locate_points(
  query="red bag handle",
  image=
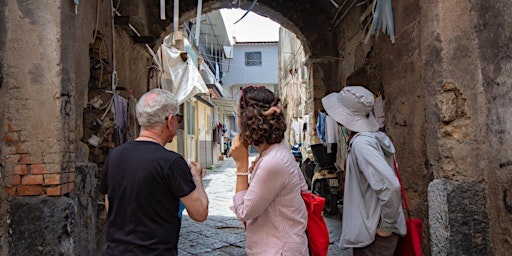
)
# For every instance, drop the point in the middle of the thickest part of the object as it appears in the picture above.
(401, 187)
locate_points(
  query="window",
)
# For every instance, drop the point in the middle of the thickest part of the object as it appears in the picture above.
(253, 58)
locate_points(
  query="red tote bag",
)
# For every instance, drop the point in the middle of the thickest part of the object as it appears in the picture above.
(318, 235)
(410, 244)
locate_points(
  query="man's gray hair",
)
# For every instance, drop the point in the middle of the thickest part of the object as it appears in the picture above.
(154, 106)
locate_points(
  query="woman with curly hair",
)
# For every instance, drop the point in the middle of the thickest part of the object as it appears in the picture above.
(270, 202)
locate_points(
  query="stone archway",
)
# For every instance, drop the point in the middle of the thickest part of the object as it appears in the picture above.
(446, 80)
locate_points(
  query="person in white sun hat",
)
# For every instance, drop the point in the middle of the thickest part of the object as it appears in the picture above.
(373, 218)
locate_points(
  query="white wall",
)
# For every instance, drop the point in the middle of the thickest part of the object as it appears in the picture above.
(236, 74)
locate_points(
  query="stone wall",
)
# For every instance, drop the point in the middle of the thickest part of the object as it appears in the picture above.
(436, 114)
(49, 185)
(492, 25)
(466, 135)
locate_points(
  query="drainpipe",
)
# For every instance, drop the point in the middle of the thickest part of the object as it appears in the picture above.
(114, 75)
(162, 9)
(198, 21)
(176, 15)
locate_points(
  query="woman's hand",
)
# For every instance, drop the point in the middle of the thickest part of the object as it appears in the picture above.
(239, 151)
(240, 154)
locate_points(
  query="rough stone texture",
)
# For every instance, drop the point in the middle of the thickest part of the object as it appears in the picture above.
(85, 198)
(57, 225)
(4, 207)
(494, 37)
(42, 226)
(458, 225)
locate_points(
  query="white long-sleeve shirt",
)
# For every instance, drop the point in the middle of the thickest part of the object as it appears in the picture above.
(372, 191)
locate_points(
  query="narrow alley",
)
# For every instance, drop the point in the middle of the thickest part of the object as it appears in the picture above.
(222, 233)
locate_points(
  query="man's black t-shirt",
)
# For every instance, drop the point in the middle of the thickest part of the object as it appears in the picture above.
(144, 182)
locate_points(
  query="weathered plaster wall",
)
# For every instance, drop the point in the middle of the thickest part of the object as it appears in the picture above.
(492, 23)
(43, 92)
(4, 206)
(32, 159)
(458, 50)
(133, 63)
(31, 131)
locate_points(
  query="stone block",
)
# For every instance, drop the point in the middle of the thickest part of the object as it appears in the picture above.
(42, 226)
(458, 218)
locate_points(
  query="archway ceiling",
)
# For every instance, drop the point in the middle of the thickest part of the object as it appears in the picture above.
(310, 20)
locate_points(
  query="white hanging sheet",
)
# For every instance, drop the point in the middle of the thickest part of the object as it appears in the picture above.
(180, 77)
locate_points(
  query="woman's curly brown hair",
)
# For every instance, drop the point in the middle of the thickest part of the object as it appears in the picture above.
(255, 127)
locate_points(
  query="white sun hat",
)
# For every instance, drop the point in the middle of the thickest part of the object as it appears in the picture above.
(352, 108)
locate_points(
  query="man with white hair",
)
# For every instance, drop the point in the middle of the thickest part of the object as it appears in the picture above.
(373, 218)
(143, 183)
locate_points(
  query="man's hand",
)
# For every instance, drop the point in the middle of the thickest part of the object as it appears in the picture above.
(196, 170)
(383, 233)
(197, 201)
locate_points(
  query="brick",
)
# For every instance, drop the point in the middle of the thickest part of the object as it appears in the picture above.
(38, 169)
(30, 159)
(21, 149)
(68, 187)
(16, 179)
(10, 128)
(52, 179)
(10, 190)
(10, 150)
(29, 190)
(44, 168)
(64, 178)
(32, 179)
(71, 177)
(12, 159)
(20, 169)
(54, 190)
(11, 137)
(52, 158)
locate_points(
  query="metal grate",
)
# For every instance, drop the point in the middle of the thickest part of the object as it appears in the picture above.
(253, 58)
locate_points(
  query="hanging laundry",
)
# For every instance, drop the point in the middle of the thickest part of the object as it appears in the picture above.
(179, 73)
(382, 20)
(320, 126)
(331, 130)
(295, 127)
(119, 110)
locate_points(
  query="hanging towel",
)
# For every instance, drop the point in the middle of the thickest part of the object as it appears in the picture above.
(320, 127)
(119, 109)
(331, 130)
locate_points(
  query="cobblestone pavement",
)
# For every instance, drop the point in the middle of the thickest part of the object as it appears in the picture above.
(222, 233)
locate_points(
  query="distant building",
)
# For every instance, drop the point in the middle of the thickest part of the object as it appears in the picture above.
(253, 63)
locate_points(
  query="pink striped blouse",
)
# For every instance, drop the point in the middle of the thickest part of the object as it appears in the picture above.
(273, 207)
